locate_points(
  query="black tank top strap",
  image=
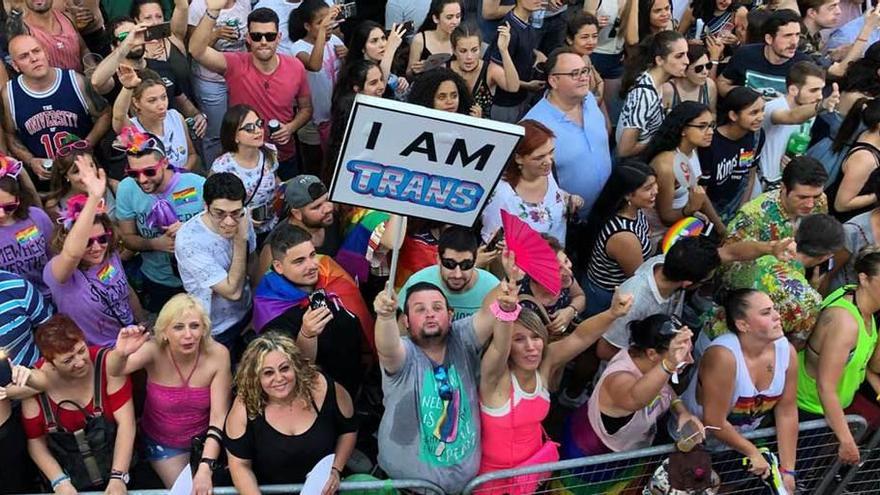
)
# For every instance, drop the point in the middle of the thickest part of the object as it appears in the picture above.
(425, 52)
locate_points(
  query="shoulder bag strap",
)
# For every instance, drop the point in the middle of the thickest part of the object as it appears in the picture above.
(97, 400)
(48, 414)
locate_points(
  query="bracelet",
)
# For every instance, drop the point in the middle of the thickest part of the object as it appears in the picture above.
(502, 315)
(675, 401)
(212, 17)
(338, 471)
(863, 40)
(666, 368)
(789, 472)
(303, 334)
(61, 479)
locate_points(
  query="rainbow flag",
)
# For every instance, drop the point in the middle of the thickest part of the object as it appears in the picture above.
(106, 274)
(27, 234)
(185, 195)
(352, 254)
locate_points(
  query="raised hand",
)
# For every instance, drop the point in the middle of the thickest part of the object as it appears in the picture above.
(315, 321)
(385, 303)
(830, 103)
(620, 303)
(130, 339)
(94, 179)
(503, 37)
(511, 270)
(128, 77)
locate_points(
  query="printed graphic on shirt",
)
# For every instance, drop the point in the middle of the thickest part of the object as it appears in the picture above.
(27, 253)
(769, 86)
(448, 436)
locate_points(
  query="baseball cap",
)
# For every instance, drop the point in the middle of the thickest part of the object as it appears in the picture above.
(302, 190)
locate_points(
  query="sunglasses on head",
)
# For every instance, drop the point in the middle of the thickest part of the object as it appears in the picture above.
(252, 127)
(148, 172)
(78, 145)
(698, 69)
(270, 37)
(9, 208)
(444, 388)
(121, 36)
(451, 264)
(102, 239)
(672, 327)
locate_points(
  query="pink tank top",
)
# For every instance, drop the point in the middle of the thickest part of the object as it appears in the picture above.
(174, 415)
(509, 437)
(639, 432)
(62, 49)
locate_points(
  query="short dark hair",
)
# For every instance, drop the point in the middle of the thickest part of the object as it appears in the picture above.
(553, 59)
(805, 5)
(421, 287)
(777, 20)
(286, 236)
(737, 100)
(114, 24)
(691, 259)
(262, 15)
(805, 171)
(458, 239)
(800, 71)
(818, 235)
(736, 305)
(223, 185)
(646, 333)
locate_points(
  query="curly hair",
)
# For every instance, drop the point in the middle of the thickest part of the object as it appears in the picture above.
(247, 376)
(425, 86)
(669, 136)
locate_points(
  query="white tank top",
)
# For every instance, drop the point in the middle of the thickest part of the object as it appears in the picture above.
(174, 138)
(747, 404)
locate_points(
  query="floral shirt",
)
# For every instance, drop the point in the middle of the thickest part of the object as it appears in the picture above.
(259, 184)
(786, 284)
(546, 217)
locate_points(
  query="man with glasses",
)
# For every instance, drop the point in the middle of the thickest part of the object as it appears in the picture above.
(274, 85)
(571, 111)
(43, 106)
(214, 253)
(464, 285)
(144, 200)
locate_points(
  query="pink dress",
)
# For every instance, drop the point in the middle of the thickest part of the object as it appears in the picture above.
(174, 415)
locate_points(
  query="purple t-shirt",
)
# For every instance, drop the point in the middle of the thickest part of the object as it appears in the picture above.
(95, 299)
(24, 247)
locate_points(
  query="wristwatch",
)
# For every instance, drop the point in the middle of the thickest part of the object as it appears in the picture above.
(212, 463)
(119, 475)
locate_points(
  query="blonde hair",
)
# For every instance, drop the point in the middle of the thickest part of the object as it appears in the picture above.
(247, 376)
(173, 310)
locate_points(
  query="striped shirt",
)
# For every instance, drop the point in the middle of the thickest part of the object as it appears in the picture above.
(642, 110)
(22, 308)
(602, 269)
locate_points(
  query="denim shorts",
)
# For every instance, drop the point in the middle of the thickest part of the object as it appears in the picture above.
(609, 66)
(153, 451)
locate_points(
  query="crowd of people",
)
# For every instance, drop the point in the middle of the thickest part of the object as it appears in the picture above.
(177, 289)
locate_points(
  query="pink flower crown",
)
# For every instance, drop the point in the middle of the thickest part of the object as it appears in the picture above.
(75, 206)
(134, 142)
(9, 166)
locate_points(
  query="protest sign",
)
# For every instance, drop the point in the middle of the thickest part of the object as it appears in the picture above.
(420, 162)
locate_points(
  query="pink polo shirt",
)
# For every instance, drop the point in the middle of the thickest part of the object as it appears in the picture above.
(274, 95)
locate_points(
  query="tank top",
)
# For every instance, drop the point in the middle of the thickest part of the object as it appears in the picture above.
(509, 437)
(44, 119)
(174, 415)
(853, 371)
(173, 137)
(606, 272)
(639, 432)
(747, 405)
(425, 52)
(703, 97)
(175, 69)
(686, 170)
(867, 188)
(481, 92)
(62, 49)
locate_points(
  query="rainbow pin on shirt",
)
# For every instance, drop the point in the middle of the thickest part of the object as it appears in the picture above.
(27, 234)
(106, 274)
(184, 195)
(686, 227)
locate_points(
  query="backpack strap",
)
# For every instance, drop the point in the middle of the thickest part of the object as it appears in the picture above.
(48, 414)
(97, 400)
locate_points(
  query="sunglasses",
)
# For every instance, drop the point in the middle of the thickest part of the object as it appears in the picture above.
(121, 36)
(672, 327)
(252, 127)
(270, 37)
(698, 69)
(9, 208)
(67, 149)
(148, 172)
(444, 389)
(102, 239)
(451, 264)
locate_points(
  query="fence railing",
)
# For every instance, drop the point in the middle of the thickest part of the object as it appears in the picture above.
(374, 487)
(629, 472)
(864, 478)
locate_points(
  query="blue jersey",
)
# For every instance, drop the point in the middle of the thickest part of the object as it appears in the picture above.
(44, 119)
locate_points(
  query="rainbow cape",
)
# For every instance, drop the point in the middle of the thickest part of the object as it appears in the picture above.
(352, 254)
(415, 254)
(275, 295)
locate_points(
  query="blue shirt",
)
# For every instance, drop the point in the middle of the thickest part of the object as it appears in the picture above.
(583, 158)
(22, 308)
(848, 33)
(132, 203)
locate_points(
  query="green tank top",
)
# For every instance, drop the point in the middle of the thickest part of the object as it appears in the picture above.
(853, 372)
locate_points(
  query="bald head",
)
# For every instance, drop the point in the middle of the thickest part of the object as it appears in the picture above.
(28, 56)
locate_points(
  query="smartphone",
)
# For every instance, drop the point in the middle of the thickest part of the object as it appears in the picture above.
(318, 299)
(260, 213)
(348, 10)
(409, 28)
(5, 372)
(157, 32)
(493, 242)
(436, 60)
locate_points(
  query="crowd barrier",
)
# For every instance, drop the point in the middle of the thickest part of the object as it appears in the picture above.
(627, 473)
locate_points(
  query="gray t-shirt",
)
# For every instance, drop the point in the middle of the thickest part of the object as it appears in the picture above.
(413, 441)
(858, 233)
(203, 259)
(647, 301)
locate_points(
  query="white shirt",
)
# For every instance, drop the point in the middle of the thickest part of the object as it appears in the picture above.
(321, 83)
(239, 11)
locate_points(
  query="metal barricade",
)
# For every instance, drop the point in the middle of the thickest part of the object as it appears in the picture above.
(629, 472)
(864, 478)
(378, 487)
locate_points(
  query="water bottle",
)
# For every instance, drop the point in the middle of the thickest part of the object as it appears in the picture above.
(799, 141)
(537, 18)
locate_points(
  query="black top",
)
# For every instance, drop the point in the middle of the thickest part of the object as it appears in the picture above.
(174, 70)
(281, 458)
(867, 188)
(726, 165)
(339, 345)
(749, 67)
(523, 43)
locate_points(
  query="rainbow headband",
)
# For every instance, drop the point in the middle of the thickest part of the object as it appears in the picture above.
(134, 142)
(686, 227)
(75, 206)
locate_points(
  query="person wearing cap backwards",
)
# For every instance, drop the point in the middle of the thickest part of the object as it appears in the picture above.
(308, 207)
(153, 202)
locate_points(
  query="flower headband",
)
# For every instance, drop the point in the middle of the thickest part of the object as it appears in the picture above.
(9, 166)
(134, 142)
(75, 206)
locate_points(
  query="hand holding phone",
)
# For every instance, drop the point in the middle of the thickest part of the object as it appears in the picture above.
(157, 32)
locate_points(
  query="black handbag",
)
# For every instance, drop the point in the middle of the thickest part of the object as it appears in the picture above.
(86, 455)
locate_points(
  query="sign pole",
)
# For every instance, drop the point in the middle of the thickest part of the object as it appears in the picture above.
(397, 223)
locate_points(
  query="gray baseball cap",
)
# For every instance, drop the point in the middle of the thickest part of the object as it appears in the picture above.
(302, 190)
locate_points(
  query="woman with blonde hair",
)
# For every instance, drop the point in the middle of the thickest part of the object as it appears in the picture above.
(287, 416)
(188, 388)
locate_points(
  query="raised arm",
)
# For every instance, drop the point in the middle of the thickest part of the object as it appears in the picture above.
(395, 38)
(102, 78)
(493, 366)
(505, 75)
(130, 80)
(202, 36)
(314, 61)
(178, 20)
(389, 345)
(133, 351)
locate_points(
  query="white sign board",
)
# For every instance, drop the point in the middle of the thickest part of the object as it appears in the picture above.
(420, 162)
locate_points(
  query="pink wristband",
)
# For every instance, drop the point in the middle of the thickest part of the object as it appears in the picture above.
(505, 315)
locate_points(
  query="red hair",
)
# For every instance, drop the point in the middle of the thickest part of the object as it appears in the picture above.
(58, 336)
(537, 134)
